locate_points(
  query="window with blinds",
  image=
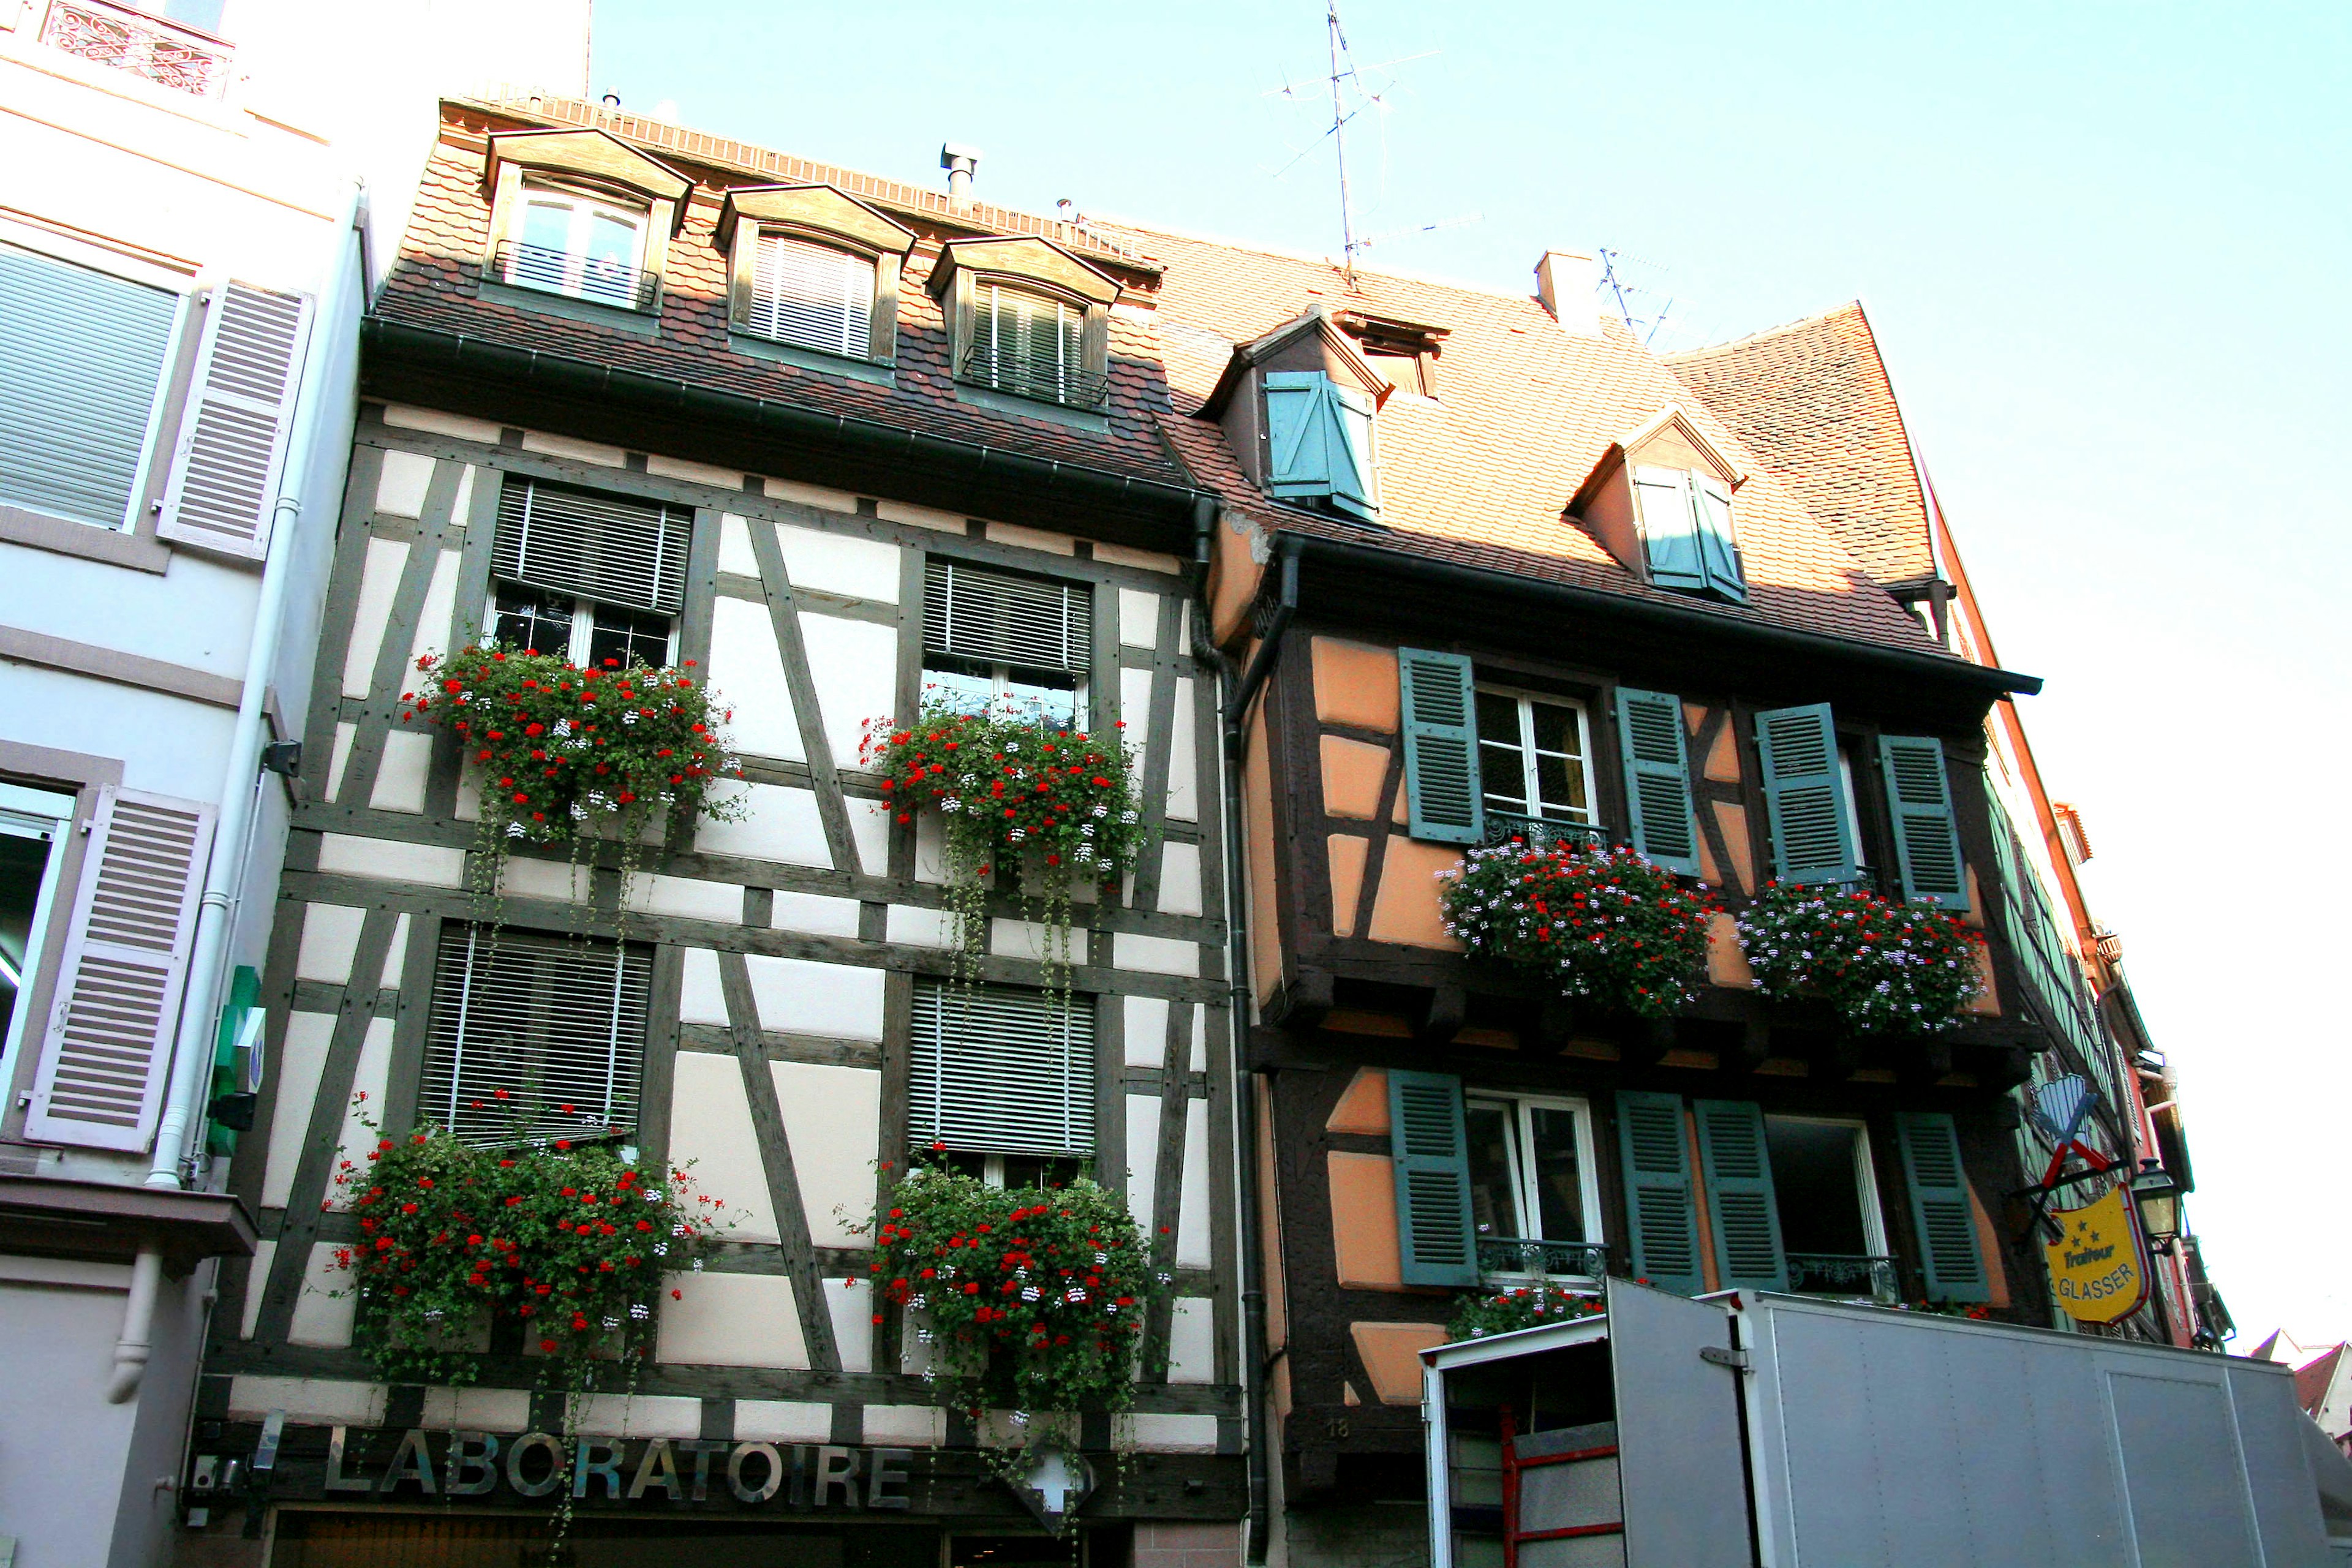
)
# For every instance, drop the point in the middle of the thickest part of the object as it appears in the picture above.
(988, 635)
(998, 1069)
(605, 549)
(534, 1036)
(814, 296)
(1031, 345)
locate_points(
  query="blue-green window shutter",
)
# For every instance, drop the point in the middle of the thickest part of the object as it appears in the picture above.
(1804, 795)
(1657, 778)
(1919, 803)
(1299, 433)
(1669, 530)
(1431, 1156)
(1739, 1198)
(1718, 548)
(1353, 484)
(1940, 1210)
(1440, 747)
(1656, 1159)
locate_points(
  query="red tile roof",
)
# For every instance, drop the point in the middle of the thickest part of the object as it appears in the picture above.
(2313, 1377)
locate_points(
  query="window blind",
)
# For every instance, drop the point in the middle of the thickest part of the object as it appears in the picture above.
(997, 617)
(1029, 345)
(604, 548)
(812, 295)
(996, 1069)
(557, 1023)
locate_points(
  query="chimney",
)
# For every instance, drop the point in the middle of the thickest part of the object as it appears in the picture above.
(958, 161)
(1568, 283)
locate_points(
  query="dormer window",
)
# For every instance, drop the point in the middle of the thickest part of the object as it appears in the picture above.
(1402, 353)
(581, 246)
(1029, 345)
(579, 226)
(1319, 436)
(812, 277)
(1026, 319)
(811, 295)
(1685, 520)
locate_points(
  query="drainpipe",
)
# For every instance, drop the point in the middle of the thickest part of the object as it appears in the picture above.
(240, 783)
(1234, 714)
(138, 1325)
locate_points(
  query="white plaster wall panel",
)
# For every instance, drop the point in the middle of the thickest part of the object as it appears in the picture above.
(300, 1061)
(730, 1320)
(906, 1426)
(749, 675)
(469, 798)
(389, 860)
(824, 499)
(1180, 879)
(373, 1072)
(1146, 560)
(641, 1414)
(710, 1137)
(779, 822)
(1135, 713)
(1183, 770)
(806, 997)
(264, 1254)
(1176, 1434)
(403, 772)
(869, 829)
(1138, 619)
(1028, 939)
(919, 927)
(735, 553)
(433, 622)
(1200, 1039)
(321, 1317)
(395, 957)
(1032, 538)
(1192, 1341)
(916, 1355)
(845, 563)
(404, 416)
(1143, 1160)
(330, 934)
(919, 516)
(700, 473)
(930, 847)
(1146, 1030)
(813, 912)
(700, 998)
(478, 1409)
(559, 880)
(689, 897)
(345, 734)
(400, 486)
(1154, 955)
(379, 581)
(1192, 1223)
(854, 667)
(783, 1420)
(833, 1118)
(317, 1400)
(579, 451)
(851, 1304)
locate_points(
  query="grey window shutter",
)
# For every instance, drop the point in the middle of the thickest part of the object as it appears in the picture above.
(1718, 547)
(82, 353)
(1353, 482)
(1919, 803)
(1657, 778)
(1739, 1199)
(1300, 431)
(240, 414)
(1002, 617)
(1669, 527)
(1940, 1208)
(1440, 747)
(610, 549)
(1000, 1069)
(1804, 795)
(108, 1050)
(1431, 1151)
(1656, 1159)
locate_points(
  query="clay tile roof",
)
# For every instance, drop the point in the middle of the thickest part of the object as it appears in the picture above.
(2313, 1377)
(1813, 401)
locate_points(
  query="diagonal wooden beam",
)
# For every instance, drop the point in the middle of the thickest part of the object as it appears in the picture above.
(784, 615)
(385, 683)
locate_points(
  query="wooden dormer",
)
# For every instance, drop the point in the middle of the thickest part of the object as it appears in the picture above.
(1660, 501)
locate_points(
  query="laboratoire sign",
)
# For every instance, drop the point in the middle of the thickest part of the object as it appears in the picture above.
(2098, 1269)
(421, 1462)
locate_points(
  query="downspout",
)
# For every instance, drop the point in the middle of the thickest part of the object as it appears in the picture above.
(240, 783)
(138, 1339)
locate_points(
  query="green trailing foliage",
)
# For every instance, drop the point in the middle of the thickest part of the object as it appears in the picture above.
(1605, 926)
(1880, 965)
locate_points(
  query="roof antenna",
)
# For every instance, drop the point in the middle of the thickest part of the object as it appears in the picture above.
(1631, 298)
(1347, 75)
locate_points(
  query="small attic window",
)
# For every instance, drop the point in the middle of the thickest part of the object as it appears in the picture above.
(1686, 537)
(1320, 442)
(1404, 354)
(1026, 321)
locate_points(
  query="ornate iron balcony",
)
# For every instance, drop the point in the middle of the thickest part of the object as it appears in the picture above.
(162, 51)
(575, 277)
(1507, 1254)
(1543, 833)
(1845, 1274)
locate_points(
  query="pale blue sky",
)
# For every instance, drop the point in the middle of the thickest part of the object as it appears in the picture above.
(2103, 245)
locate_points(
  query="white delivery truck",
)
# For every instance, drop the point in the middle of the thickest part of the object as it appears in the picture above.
(1790, 1432)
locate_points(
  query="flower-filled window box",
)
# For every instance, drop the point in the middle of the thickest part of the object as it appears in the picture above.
(1878, 965)
(1604, 926)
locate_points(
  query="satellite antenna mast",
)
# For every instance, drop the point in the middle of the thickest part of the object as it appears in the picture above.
(1345, 72)
(1339, 41)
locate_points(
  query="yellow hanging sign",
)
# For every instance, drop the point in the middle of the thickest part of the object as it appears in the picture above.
(2097, 1267)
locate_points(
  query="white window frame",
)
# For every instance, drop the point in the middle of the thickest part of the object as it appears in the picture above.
(583, 622)
(585, 209)
(857, 348)
(1522, 1108)
(1853, 809)
(34, 814)
(1002, 680)
(1527, 776)
(1865, 1174)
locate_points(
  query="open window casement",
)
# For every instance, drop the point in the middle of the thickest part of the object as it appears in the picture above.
(1814, 838)
(1660, 501)
(232, 443)
(814, 269)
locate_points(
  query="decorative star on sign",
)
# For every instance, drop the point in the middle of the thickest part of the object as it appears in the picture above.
(1057, 1486)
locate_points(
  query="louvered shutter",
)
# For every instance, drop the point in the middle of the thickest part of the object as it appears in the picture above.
(1919, 803)
(108, 1050)
(1657, 778)
(1299, 433)
(558, 1023)
(81, 357)
(1739, 1198)
(816, 296)
(1669, 530)
(1718, 548)
(1940, 1208)
(1001, 618)
(1656, 1159)
(1440, 747)
(605, 548)
(1431, 1151)
(999, 1069)
(1353, 481)
(240, 415)
(1804, 795)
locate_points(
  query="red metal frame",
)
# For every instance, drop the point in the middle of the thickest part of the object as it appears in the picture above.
(1513, 1465)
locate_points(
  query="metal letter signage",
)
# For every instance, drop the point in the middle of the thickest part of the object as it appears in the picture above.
(537, 1463)
(2097, 1267)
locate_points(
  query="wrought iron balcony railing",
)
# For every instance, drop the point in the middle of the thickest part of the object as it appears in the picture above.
(1034, 378)
(1845, 1274)
(1513, 1255)
(575, 277)
(164, 52)
(1542, 834)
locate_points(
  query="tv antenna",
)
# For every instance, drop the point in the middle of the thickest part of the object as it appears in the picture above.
(1644, 308)
(1347, 77)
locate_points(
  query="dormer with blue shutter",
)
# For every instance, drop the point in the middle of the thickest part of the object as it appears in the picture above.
(1300, 407)
(1660, 501)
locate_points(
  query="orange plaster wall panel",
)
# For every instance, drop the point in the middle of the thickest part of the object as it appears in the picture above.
(1347, 855)
(1392, 1353)
(1723, 757)
(1353, 771)
(1989, 1244)
(1364, 1221)
(1733, 820)
(1257, 809)
(1269, 1204)
(1355, 683)
(1363, 1105)
(1405, 906)
(1726, 965)
(1233, 579)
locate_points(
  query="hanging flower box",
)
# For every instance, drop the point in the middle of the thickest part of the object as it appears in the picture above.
(1872, 965)
(1605, 927)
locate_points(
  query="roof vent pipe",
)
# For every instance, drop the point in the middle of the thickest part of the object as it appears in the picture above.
(1568, 283)
(958, 161)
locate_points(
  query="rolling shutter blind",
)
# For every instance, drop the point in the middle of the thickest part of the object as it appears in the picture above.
(1431, 1153)
(1919, 803)
(81, 359)
(613, 550)
(1028, 344)
(997, 1069)
(1804, 795)
(1440, 747)
(813, 295)
(556, 1022)
(1320, 436)
(998, 617)
(241, 412)
(108, 1045)
(1669, 529)
(1656, 1159)
(1657, 778)
(1739, 1198)
(1718, 548)
(1940, 1207)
